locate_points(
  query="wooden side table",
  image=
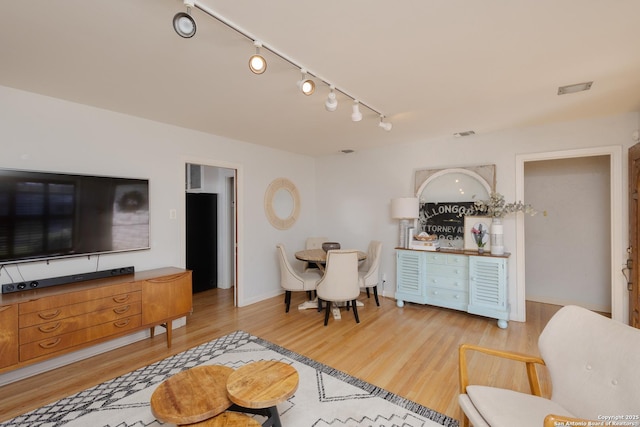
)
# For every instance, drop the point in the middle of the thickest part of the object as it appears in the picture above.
(192, 396)
(228, 419)
(259, 386)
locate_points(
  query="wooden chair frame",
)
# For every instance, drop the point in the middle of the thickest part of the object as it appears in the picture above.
(531, 362)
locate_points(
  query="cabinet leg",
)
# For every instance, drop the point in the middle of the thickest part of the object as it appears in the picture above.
(502, 324)
(169, 331)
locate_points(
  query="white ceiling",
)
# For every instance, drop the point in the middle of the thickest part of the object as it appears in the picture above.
(434, 67)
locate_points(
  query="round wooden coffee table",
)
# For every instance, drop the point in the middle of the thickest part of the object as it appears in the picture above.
(192, 396)
(259, 386)
(228, 419)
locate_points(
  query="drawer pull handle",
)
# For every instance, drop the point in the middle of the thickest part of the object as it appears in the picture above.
(48, 316)
(122, 298)
(49, 328)
(121, 323)
(50, 344)
(121, 310)
(166, 279)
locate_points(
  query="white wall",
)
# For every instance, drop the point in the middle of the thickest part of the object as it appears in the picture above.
(353, 206)
(568, 250)
(42, 133)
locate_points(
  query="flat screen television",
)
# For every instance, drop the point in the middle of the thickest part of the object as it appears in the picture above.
(52, 215)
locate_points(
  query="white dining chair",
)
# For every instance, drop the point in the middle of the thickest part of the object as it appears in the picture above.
(369, 274)
(313, 243)
(340, 281)
(292, 280)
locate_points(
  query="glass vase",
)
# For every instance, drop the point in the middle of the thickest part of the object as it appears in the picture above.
(497, 237)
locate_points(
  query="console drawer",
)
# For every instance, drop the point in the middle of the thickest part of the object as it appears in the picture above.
(53, 301)
(70, 324)
(61, 342)
(448, 298)
(62, 312)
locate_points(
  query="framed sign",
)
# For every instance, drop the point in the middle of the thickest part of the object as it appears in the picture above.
(445, 220)
(476, 232)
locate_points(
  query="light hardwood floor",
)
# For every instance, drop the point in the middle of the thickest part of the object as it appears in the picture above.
(410, 351)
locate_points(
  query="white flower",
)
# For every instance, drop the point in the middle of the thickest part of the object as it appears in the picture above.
(496, 207)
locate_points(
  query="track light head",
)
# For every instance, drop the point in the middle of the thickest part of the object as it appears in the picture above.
(307, 86)
(331, 104)
(356, 116)
(386, 126)
(183, 23)
(257, 63)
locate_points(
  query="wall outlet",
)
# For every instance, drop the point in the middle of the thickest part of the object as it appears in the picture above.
(173, 214)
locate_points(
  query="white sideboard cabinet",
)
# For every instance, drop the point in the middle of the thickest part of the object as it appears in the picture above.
(460, 280)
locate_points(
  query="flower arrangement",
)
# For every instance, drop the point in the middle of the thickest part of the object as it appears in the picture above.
(478, 235)
(496, 207)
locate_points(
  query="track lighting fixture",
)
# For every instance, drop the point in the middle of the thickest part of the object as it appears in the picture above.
(356, 116)
(307, 86)
(185, 26)
(386, 126)
(257, 63)
(183, 23)
(331, 104)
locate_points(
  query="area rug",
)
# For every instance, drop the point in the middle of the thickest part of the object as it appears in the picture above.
(325, 396)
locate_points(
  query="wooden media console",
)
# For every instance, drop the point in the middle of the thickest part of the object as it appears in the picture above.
(39, 324)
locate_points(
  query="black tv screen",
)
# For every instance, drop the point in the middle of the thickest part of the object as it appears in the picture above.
(50, 215)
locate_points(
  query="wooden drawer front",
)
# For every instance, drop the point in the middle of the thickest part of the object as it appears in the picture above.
(49, 302)
(166, 298)
(449, 271)
(447, 298)
(77, 309)
(70, 324)
(80, 337)
(8, 335)
(436, 258)
(444, 282)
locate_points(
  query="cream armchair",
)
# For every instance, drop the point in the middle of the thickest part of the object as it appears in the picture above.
(593, 363)
(292, 280)
(369, 274)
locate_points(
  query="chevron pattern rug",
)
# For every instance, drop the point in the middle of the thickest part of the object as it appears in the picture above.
(325, 396)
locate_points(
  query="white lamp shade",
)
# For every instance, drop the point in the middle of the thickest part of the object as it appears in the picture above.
(405, 208)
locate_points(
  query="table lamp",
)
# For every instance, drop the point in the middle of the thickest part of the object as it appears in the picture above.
(404, 209)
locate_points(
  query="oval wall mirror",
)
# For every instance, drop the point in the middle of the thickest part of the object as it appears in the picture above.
(282, 203)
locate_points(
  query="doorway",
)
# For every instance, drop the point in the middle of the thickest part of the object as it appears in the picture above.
(211, 220)
(617, 240)
(568, 246)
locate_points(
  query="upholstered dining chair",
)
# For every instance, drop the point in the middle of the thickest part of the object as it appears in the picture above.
(313, 243)
(593, 364)
(369, 273)
(340, 281)
(292, 280)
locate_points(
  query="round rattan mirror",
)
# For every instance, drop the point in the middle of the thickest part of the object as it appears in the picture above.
(282, 203)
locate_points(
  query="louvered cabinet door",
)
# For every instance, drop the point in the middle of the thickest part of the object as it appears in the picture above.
(410, 270)
(488, 288)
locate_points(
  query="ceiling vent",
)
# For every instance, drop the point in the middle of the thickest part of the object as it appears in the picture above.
(579, 87)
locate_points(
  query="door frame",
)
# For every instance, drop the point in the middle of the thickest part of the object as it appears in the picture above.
(238, 288)
(618, 227)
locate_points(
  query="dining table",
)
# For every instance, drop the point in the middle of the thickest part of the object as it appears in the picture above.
(319, 258)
